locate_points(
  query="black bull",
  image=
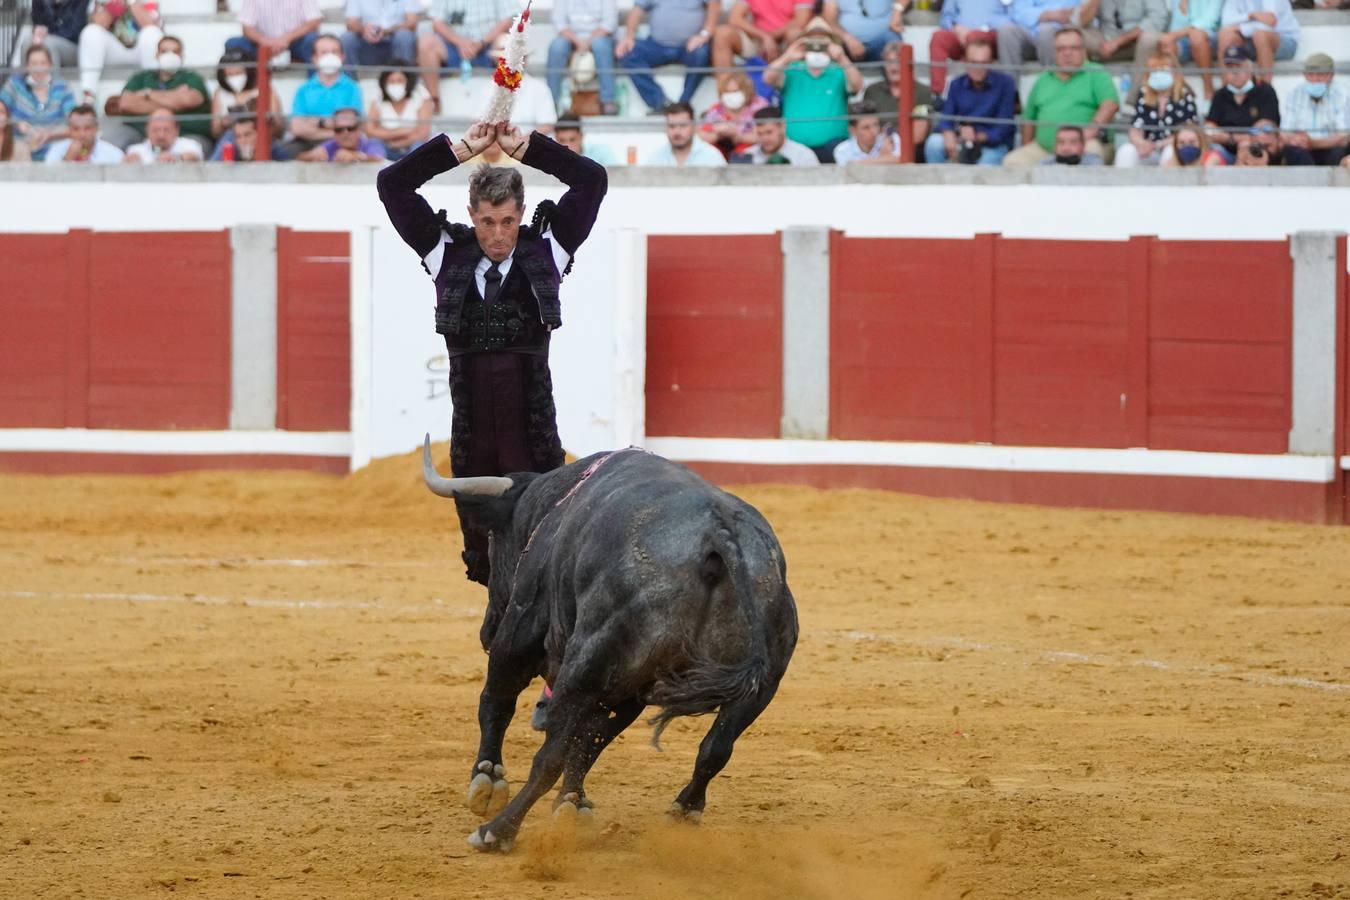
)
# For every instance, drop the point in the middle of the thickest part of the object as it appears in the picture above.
(626, 581)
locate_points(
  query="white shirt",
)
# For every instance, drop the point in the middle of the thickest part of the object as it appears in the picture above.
(184, 148)
(103, 153)
(795, 153)
(701, 153)
(436, 257)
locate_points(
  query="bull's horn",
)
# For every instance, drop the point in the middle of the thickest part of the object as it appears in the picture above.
(484, 486)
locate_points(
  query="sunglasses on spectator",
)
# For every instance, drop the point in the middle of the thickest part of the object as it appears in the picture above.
(343, 129)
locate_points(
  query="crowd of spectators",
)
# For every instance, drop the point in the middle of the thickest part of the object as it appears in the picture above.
(790, 79)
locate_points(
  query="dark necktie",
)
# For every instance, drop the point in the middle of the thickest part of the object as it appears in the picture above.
(492, 283)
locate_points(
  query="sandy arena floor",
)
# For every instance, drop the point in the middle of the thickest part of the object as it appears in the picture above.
(264, 686)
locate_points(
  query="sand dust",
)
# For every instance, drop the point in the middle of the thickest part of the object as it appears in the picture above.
(223, 685)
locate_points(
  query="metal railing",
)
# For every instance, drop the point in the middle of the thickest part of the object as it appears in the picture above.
(14, 15)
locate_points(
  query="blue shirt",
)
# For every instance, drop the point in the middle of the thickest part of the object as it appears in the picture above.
(866, 20)
(314, 99)
(24, 106)
(979, 14)
(388, 14)
(995, 101)
(1027, 13)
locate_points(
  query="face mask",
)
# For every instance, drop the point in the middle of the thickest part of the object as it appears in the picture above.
(817, 60)
(40, 81)
(236, 83)
(396, 91)
(1243, 89)
(1160, 81)
(170, 62)
(1068, 159)
(329, 63)
(1317, 89)
(1188, 155)
(733, 99)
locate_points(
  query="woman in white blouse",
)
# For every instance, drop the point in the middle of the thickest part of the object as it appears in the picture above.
(237, 80)
(401, 118)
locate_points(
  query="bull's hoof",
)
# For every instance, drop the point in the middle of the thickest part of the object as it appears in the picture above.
(484, 841)
(573, 808)
(489, 791)
(679, 814)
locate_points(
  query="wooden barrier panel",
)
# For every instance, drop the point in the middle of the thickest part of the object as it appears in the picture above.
(714, 336)
(33, 349)
(313, 330)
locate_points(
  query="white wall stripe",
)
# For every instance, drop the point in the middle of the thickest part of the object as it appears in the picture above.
(1307, 469)
(232, 443)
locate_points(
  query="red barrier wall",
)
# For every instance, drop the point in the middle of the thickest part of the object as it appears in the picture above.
(34, 380)
(715, 336)
(1176, 345)
(314, 383)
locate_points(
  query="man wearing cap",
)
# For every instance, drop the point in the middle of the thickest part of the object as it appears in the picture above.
(816, 79)
(1317, 113)
(1267, 28)
(1241, 103)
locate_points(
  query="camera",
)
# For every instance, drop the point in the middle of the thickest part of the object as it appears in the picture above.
(1256, 150)
(969, 153)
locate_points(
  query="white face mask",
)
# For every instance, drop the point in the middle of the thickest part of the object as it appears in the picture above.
(733, 99)
(329, 63)
(236, 83)
(396, 90)
(170, 62)
(817, 60)
(40, 80)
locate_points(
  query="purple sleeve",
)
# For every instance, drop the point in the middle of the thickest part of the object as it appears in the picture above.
(412, 217)
(586, 180)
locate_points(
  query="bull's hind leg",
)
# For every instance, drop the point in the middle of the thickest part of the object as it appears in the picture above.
(596, 734)
(489, 790)
(715, 751)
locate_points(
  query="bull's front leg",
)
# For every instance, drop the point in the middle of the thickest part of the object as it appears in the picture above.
(507, 677)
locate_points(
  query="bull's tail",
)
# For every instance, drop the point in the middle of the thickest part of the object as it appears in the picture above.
(706, 686)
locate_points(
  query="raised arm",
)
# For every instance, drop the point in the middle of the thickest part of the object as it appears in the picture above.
(586, 180)
(410, 214)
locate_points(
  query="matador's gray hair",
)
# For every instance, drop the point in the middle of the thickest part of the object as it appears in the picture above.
(496, 185)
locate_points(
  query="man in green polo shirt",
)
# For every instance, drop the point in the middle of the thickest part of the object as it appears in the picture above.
(1076, 92)
(816, 77)
(169, 87)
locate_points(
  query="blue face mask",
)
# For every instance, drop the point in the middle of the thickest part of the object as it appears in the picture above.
(1160, 81)
(1188, 155)
(1242, 89)
(1317, 89)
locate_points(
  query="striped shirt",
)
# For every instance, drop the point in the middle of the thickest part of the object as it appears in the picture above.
(24, 106)
(276, 17)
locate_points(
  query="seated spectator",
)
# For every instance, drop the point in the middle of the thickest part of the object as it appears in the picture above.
(279, 25)
(162, 143)
(680, 32)
(729, 124)
(1266, 28)
(816, 78)
(681, 148)
(121, 33)
(758, 30)
(961, 20)
(83, 145)
(1032, 25)
(867, 143)
(347, 143)
(772, 146)
(584, 27)
(1318, 113)
(1165, 103)
(1244, 101)
(57, 25)
(1071, 149)
(1192, 34)
(568, 133)
(865, 27)
(1131, 30)
(1190, 147)
(327, 90)
(12, 147)
(885, 96)
(378, 30)
(1262, 146)
(461, 30)
(1077, 92)
(237, 80)
(981, 93)
(38, 103)
(240, 143)
(166, 86)
(401, 118)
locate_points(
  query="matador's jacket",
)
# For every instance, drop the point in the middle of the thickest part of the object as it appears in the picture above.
(504, 419)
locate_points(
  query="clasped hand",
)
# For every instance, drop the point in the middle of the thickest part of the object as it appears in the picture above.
(482, 135)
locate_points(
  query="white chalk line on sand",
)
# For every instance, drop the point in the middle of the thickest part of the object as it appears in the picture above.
(233, 562)
(435, 604)
(1096, 659)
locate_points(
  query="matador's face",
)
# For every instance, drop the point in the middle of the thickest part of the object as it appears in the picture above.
(497, 226)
